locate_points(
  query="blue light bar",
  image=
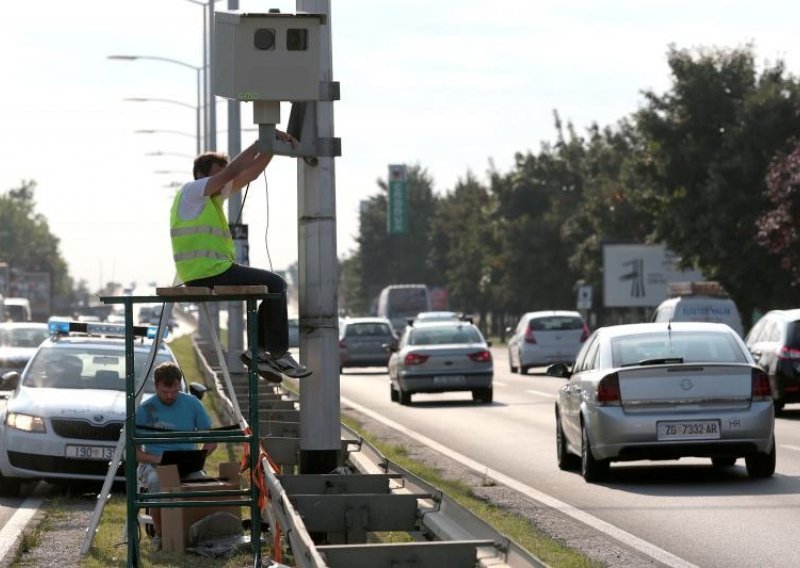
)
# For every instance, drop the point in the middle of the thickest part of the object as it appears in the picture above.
(65, 327)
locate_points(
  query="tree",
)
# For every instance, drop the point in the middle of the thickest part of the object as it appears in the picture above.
(777, 227)
(707, 143)
(26, 243)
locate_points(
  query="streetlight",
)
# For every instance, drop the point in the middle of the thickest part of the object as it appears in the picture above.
(176, 62)
(174, 102)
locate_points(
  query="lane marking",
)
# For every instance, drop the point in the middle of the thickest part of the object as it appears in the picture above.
(542, 393)
(790, 447)
(625, 537)
(13, 528)
(499, 384)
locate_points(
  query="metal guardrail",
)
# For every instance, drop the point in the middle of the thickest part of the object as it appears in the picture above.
(377, 495)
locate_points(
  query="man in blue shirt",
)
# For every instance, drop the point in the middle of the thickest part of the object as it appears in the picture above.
(169, 409)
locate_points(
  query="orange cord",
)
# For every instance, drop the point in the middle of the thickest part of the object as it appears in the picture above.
(258, 479)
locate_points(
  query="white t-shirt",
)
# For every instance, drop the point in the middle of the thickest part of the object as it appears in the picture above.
(193, 200)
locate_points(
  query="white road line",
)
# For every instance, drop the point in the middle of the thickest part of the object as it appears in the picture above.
(542, 393)
(625, 537)
(14, 526)
(790, 447)
(499, 384)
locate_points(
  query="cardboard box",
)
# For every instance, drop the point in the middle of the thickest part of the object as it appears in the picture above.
(175, 521)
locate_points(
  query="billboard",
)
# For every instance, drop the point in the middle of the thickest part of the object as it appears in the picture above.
(637, 275)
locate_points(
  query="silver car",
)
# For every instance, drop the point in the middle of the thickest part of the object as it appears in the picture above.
(664, 391)
(545, 337)
(441, 356)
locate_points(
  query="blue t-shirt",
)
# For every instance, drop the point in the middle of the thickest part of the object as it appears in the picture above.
(186, 414)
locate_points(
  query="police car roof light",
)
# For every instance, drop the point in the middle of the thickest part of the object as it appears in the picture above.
(64, 327)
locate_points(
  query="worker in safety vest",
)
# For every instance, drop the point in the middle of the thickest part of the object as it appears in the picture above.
(204, 252)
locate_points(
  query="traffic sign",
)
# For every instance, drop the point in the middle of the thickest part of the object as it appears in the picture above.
(397, 215)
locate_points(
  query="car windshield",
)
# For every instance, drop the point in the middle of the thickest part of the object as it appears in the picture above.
(22, 336)
(368, 329)
(444, 335)
(690, 346)
(555, 323)
(85, 368)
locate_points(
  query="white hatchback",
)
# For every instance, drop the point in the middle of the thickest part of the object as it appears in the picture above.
(544, 338)
(64, 416)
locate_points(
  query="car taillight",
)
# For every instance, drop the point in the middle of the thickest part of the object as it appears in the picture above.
(760, 389)
(529, 338)
(415, 359)
(481, 356)
(608, 390)
(585, 333)
(788, 353)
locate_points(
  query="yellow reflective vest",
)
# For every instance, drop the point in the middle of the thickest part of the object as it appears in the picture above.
(202, 246)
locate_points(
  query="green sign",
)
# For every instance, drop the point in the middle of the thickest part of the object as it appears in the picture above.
(397, 216)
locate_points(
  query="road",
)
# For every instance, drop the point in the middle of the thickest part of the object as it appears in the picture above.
(703, 517)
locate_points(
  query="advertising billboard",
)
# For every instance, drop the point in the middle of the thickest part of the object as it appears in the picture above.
(637, 275)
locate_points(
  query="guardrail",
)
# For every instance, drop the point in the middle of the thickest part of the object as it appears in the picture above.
(326, 519)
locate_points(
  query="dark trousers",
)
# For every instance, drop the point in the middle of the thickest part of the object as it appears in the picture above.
(273, 329)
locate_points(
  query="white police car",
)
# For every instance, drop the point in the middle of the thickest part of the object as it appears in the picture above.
(63, 419)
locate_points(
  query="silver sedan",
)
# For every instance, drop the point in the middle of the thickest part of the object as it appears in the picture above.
(664, 391)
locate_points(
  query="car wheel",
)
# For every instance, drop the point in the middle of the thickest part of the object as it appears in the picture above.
(723, 462)
(405, 397)
(511, 366)
(523, 370)
(483, 395)
(592, 470)
(393, 394)
(760, 466)
(779, 404)
(566, 461)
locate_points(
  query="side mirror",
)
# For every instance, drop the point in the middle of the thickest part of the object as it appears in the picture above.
(9, 381)
(559, 370)
(509, 331)
(488, 344)
(198, 390)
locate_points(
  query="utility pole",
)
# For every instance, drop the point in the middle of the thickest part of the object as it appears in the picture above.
(235, 311)
(318, 286)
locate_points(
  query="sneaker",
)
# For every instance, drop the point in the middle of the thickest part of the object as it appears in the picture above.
(155, 544)
(288, 366)
(265, 370)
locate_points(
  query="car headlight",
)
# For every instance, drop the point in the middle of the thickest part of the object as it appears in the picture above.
(25, 422)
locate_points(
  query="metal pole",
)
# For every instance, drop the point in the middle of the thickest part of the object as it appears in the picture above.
(235, 313)
(211, 101)
(205, 89)
(318, 274)
(197, 113)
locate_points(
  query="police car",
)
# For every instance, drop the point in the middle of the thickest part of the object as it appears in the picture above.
(64, 417)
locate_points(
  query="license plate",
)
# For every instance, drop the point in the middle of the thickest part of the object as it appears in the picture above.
(689, 430)
(90, 452)
(450, 380)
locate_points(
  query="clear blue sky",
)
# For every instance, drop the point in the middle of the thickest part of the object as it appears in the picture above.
(449, 85)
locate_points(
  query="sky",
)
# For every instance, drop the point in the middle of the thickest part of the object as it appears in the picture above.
(457, 87)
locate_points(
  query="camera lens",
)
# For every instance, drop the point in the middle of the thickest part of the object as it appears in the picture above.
(264, 39)
(296, 39)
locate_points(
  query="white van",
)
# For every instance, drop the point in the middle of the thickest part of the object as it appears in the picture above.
(17, 309)
(699, 301)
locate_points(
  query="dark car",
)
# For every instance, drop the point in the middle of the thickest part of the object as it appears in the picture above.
(365, 342)
(774, 343)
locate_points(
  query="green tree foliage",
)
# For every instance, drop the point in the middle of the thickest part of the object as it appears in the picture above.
(777, 227)
(707, 145)
(463, 245)
(397, 258)
(26, 243)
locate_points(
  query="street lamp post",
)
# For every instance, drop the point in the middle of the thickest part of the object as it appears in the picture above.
(174, 102)
(176, 62)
